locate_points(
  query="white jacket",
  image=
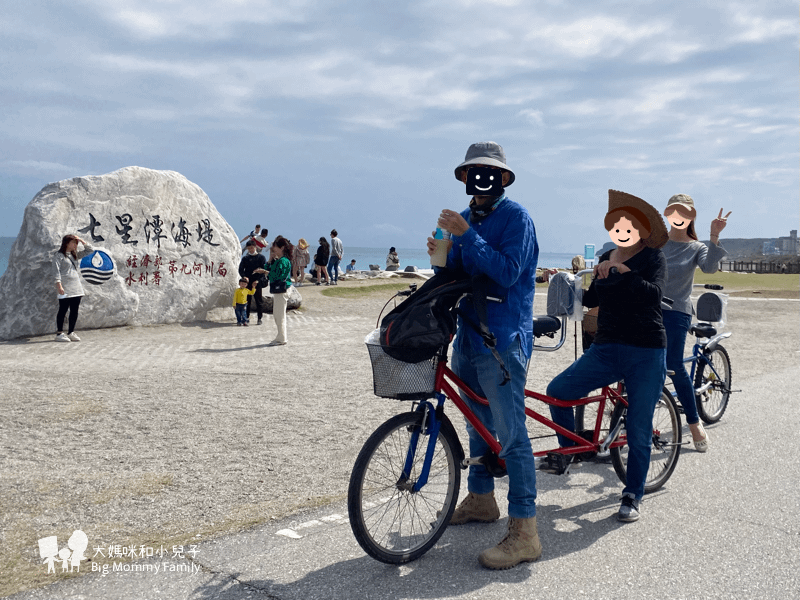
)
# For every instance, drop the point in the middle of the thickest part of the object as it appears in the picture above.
(67, 271)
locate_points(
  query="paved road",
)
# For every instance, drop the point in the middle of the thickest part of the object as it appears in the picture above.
(727, 526)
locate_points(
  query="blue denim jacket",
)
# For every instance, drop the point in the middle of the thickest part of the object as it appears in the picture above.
(503, 246)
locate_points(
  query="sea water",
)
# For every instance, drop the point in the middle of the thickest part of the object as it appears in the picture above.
(418, 257)
(364, 257)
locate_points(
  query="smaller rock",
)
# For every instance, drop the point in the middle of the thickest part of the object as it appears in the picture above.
(293, 299)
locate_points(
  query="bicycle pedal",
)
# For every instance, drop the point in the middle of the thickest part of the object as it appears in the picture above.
(555, 463)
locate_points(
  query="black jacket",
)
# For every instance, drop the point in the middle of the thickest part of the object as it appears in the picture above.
(630, 303)
(251, 262)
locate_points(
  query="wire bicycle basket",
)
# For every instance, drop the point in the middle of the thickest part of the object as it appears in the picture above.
(393, 378)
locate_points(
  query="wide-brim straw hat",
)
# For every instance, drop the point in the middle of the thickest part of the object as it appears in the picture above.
(302, 244)
(486, 153)
(658, 230)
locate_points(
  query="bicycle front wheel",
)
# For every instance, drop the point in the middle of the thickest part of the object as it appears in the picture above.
(392, 522)
(713, 400)
(666, 444)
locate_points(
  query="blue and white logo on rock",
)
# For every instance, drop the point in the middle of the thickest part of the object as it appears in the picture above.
(97, 267)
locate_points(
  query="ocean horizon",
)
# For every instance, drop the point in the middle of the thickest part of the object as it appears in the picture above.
(364, 256)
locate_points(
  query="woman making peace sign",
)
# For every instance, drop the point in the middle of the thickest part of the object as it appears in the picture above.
(684, 253)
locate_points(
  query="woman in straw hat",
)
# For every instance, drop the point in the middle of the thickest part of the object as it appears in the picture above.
(630, 343)
(684, 254)
(300, 260)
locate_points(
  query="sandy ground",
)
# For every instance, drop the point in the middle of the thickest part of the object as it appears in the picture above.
(174, 434)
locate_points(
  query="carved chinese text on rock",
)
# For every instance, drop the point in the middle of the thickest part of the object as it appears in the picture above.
(172, 255)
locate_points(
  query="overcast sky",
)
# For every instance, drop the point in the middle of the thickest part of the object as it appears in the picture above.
(306, 115)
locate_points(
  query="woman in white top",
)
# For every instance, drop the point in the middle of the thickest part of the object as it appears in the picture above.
(392, 260)
(68, 285)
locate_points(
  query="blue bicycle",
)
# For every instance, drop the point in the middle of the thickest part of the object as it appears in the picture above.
(711, 364)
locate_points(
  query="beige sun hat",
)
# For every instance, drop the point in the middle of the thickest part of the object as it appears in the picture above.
(684, 201)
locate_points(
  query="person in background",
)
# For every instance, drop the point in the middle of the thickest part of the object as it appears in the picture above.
(68, 285)
(280, 273)
(321, 261)
(392, 260)
(251, 267)
(684, 254)
(630, 343)
(240, 296)
(300, 260)
(261, 239)
(351, 268)
(251, 235)
(337, 250)
(496, 237)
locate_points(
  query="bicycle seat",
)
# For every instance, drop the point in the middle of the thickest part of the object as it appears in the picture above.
(703, 330)
(545, 324)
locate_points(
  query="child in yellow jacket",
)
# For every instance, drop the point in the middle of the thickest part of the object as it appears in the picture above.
(240, 301)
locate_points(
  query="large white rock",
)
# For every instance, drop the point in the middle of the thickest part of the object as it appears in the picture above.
(176, 256)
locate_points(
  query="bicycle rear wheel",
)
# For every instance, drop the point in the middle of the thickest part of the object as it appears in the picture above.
(666, 444)
(712, 402)
(390, 521)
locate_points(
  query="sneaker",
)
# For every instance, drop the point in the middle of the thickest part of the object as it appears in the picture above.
(62, 337)
(476, 507)
(259, 322)
(521, 544)
(73, 337)
(629, 510)
(245, 323)
(239, 324)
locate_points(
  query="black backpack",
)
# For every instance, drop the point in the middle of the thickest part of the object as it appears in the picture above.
(424, 324)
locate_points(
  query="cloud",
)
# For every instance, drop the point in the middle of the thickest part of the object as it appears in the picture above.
(389, 228)
(37, 165)
(199, 19)
(533, 116)
(597, 35)
(758, 28)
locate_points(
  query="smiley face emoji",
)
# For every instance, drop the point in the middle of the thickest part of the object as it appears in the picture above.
(484, 181)
(677, 218)
(624, 234)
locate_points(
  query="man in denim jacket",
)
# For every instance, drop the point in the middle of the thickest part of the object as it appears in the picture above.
(495, 236)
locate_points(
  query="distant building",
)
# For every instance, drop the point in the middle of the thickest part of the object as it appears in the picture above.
(788, 245)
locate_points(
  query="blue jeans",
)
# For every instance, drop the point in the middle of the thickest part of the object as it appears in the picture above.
(241, 313)
(677, 325)
(505, 419)
(643, 370)
(333, 268)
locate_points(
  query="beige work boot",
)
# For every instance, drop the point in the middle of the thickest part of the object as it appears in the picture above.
(476, 507)
(521, 544)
